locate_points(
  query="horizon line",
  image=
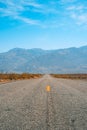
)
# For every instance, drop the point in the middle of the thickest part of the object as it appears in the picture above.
(42, 48)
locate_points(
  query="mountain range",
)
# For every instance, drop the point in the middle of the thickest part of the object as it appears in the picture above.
(69, 60)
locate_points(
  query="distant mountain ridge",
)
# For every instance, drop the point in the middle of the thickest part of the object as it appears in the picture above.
(69, 60)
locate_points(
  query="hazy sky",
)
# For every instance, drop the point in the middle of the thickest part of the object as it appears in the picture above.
(46, 24)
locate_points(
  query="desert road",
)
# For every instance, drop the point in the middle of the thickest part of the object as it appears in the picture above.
(46, 103)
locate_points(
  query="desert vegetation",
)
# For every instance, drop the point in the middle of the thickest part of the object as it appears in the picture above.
(14, 76)
(70, 76)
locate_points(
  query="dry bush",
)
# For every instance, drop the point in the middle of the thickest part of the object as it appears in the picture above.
(70, 76)
(14, 76)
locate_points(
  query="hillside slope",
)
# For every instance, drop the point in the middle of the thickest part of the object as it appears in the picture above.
(70, 60)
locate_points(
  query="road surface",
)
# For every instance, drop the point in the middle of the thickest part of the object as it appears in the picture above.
(44, 104)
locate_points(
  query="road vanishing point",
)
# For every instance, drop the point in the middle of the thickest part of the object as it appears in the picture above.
(46, 103)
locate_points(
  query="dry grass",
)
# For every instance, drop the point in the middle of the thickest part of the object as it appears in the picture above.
(70, 76)
(14, 76)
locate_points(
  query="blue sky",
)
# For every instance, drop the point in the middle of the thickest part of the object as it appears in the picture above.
(46, 24)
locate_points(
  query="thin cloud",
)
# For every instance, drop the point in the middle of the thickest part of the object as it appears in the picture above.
(45, 13)
(67, 1)
(27, 20)
(78, 13)
(30, 3)
(14, 10)
(76, 8)
(80, 18)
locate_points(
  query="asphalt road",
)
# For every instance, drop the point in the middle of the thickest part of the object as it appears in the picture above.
(44, 104)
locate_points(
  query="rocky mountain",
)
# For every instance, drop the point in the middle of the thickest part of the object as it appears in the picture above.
(70, 60)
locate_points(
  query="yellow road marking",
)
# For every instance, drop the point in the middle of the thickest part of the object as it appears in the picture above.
(48, 88)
